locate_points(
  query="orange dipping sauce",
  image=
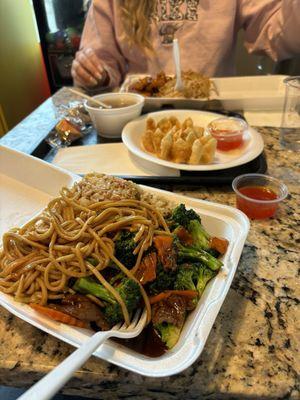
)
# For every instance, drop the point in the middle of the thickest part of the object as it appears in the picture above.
(257, 210)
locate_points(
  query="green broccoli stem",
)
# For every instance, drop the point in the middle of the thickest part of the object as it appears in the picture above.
(201, 239)
(128, 289)
(169, 333)
(184, 277)
(205, 275)
(89, 286)
(189, 253)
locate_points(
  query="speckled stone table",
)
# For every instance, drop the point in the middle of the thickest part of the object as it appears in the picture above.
(253, 349)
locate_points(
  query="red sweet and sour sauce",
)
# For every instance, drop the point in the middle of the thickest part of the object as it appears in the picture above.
(230, 142)
(228, 131)
(257, 210)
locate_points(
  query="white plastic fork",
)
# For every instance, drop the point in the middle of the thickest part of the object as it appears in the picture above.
(51, 383)
(176, 55)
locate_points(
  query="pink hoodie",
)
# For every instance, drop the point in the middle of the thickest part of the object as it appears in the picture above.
(206, 30)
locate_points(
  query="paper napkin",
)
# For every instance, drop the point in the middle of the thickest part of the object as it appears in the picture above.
(109, 158)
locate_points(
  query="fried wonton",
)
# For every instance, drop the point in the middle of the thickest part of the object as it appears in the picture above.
(175, 122)
(188, 123)
(181, 151)
(178, 142)
(209, 151)
(197, 151)
(198, 130)
(164, 124)
(157, 137)
(166, 146)
(191, 137)
(147, 141)
(150, 124)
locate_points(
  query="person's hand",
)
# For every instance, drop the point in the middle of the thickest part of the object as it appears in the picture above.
(87, 70)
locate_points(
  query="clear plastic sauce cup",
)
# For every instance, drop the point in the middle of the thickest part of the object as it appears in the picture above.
(258, 195)
(228, 131)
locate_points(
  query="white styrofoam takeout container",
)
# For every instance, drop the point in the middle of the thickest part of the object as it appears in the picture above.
(246, 93)
(27, 184)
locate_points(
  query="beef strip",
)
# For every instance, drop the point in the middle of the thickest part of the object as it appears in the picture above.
(171, 310)
(80, 307)
(102, 324)
(190, 304)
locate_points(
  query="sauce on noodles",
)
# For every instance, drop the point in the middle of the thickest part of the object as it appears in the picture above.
(40, 258)
(98, 250)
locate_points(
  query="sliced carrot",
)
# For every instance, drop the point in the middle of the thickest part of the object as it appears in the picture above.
(219, 244)
(59, 316)
(164, 295)
(166, 254)
(146, 271)
(184, 236)
(159, 297)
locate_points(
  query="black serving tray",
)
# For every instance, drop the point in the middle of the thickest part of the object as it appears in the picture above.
(198, 178)
(186, 178)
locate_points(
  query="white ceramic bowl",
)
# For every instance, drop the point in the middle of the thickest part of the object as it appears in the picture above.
(110, 122)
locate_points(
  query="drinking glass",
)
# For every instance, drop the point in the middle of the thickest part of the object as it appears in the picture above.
(290, 123)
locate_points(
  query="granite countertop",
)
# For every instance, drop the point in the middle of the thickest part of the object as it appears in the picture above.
(252, 351)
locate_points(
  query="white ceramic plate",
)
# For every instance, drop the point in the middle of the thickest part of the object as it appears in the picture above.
(29, 183)
(252, 147)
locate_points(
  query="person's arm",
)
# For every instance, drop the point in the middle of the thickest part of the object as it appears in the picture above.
(99, 61)
(271, 27)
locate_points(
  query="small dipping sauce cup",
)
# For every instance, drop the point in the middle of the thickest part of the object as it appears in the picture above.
(228, 131)
(258, 195)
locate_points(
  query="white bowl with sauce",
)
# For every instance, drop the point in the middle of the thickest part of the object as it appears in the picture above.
(109, 122)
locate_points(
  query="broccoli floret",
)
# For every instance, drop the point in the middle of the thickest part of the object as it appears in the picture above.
(117, 278)
(182, 216)
(88, 285)
(201, 239)
(124, 247)
(190, 254)
(169, 333)
(193, 277)
(130, 292)
(164, 280)
(186, 276)
(204, 276)
(191, 221)
(128, 289)
(186, 279)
